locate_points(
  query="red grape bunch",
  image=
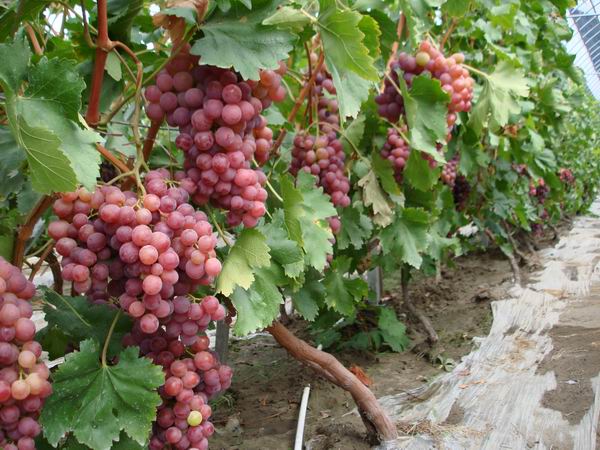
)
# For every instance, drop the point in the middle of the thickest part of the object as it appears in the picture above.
(539, 191)
(182, 420)
(323, 155)
(566, 175)
(142, 250)
(461, 191)
(449, 171)
(397, 151)
(23, 377)
(221, 131)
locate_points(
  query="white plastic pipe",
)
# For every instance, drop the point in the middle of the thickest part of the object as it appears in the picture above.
(302, 418)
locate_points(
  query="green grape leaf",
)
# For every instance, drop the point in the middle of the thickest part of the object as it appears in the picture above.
(498, 98)
(344, 43)
(418, 172)
(258, 306)
(342, 292)
(228, 35)
(113, 66)
(283, 250)
(353, 135)
(374, 196)
(385, 172)
(292, 209)
(11, 177)
(408, 237)
(388, 31)
(351, 91)
(57, 81)
(370, 28)
(392, 330)
(249, 252)
(308, 298)
(356, 229)
(426, 107)
(457, 8)
(95, 402)
(288, 17)
(77, 319)
(15, 61)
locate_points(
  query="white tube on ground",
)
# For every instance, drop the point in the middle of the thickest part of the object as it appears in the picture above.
(302, 418)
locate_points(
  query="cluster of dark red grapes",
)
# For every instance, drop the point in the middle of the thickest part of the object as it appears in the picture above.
(23, 377)
(566, 175)
(461, 191)
(455, 80)
(449, 171)
(539, 191)
(323, 155)
(221, 131)
(193, 374)
(521, 169)
(397, 151)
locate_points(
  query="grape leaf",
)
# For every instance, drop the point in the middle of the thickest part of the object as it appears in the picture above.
(356, 229)
(388, 31)
(257, 306)
(343, 292)
(77, 320)
(11, 178)
(353, 134)
(407, 238)
(344, 42)
(15, 60)
(288, 17)
(374, 196)
(292, 209)
(113, 66)
(385, 172)
(95, 402)
(57, 81)
(283, 250)
(498, 98)
(241, 32)
(426, 107)
(457, 8)
(351, 91)
(309, 297)
(418, 172)
(249, 252)
(392, 330)
(370, 29)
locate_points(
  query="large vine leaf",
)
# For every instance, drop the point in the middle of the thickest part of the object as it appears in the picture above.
(257, 306)
(227, 36)
(356, 228)
(342, 291)
(498, 98)
(74, 319)
(283, 250)
(407, 238)
(426, 107)
(374, 196)
(95, 402)
(249, 252)
(309, 297)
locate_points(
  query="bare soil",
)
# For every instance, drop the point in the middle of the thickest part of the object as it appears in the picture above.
(260, 410)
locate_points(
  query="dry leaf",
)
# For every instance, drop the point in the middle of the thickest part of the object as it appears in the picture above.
(174, 25)
(361, 375)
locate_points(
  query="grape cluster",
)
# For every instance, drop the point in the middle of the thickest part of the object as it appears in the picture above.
(23, 377)
(182, 420)
(221, 131)
(566, 175)
(461, 191)
(455, 80)
(521, 169)
(140, 250)
(397, 151)
(539, 191)
(323, 156)
(449, 171)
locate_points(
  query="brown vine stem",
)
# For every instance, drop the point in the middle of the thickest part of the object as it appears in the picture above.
(301, 96)
(37, 266)
(92, 116)
(26, 229)
(448, 33)
(34, 41)
(151, 138)
(395, 45)
(56, 272)
(379, 426)
(112, 158)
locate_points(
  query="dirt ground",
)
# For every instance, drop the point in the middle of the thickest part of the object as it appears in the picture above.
(260, 410)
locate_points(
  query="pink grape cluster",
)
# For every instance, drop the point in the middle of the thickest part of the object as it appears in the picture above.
(221, 129)
(449, 171)
(566, 175)
(429, 61)
(397, 151)
(461, 191)
(23, 377)
(182, 420)
(142, 251)
(324, 156)
(521, 169)
(539, 191)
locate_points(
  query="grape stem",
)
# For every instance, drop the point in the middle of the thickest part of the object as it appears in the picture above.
(395, 45)
(112, 159)
(26, 230)
(34, 41)
(48, 247)
(449, 31)
(474, 70)
(108, 336)
(218, 227)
